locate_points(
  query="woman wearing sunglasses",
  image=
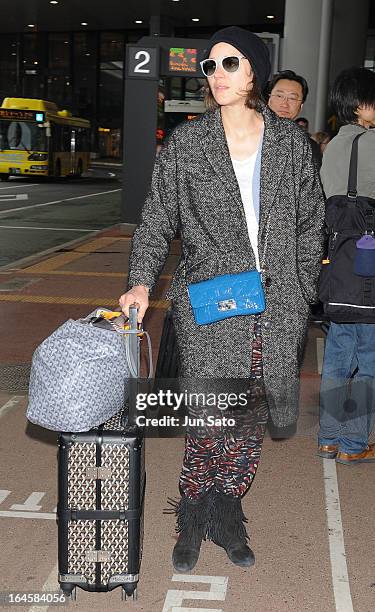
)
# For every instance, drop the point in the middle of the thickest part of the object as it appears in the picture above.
(241, 186)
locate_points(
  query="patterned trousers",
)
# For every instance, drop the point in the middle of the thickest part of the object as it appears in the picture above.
(227, 462)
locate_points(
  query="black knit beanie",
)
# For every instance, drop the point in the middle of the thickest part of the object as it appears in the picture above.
(250, 45)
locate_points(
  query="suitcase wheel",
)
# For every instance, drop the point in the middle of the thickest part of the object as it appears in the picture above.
(69, 589)
(129, 590)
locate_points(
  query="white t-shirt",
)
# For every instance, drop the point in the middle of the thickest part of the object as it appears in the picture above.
(244, 170)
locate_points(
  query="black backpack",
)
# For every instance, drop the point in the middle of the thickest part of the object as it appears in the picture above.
(347, 278)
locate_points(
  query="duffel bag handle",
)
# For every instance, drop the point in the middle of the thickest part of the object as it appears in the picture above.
(131, 329)
(132, 334)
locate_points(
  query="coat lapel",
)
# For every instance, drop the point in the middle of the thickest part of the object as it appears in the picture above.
(217, 153)
(274, 155)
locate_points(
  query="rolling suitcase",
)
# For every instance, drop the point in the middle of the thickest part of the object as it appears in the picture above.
(101, 485)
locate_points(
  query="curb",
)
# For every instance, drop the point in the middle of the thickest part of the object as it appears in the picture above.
(116, 164)
(26, 261)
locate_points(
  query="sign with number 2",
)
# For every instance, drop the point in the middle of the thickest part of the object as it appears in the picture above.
(143, 62)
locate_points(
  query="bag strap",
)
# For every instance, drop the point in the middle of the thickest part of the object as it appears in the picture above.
(353, 168)
(130, 358)
(131, 336)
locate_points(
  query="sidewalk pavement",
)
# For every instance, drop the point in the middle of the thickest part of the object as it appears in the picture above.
(69, 283)
(40, 293)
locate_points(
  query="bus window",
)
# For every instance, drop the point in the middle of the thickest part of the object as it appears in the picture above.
(19, 136)
(24, 136)
(82, 139)
(56, 137)
(67, 138)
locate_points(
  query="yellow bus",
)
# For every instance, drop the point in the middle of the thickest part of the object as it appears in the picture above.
(37, 139)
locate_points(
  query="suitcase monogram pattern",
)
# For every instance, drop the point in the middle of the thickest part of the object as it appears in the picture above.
(83, 554)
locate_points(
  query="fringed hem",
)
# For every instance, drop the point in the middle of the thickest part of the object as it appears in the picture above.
(192, 515)
(226, 524)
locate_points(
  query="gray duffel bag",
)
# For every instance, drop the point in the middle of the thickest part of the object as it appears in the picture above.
(79, 374)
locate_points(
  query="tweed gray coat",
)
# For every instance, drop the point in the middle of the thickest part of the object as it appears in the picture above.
(194, 188)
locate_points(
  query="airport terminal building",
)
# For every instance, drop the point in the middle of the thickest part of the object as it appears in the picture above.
(74, 55)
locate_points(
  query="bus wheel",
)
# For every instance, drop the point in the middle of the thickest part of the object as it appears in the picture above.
(4, 177)
(79, 169)
(58, 168)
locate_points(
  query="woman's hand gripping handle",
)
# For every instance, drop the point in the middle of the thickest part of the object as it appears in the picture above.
(137, 295)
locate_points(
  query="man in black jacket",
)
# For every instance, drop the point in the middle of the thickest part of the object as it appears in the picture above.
(347, 394)
(287, 91)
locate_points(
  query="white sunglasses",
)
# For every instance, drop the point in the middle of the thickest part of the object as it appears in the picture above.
(230, 63)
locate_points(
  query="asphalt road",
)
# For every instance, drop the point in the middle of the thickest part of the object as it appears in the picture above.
(39, 215)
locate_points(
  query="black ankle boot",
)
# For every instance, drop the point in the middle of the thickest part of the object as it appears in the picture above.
(226, 529)
(192, 517)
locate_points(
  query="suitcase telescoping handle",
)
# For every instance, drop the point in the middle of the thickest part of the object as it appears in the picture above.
(132, 344)
(133, 316)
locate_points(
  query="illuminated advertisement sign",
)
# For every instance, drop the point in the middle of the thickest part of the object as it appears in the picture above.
(182, 60)
(16, 114)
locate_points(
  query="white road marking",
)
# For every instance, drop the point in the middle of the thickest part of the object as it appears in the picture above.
(23, 185)
(10, 404)
(320, 343)
(339, 569)
(217, 592)
(4, 494)
(28, 515)
(11, 197)
(89, 195)
(50, 585)
(31, 503)
(179, 609)
(54, 229)
(29, 509)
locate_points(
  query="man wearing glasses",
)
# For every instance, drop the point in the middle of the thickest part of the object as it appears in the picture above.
(287, 91)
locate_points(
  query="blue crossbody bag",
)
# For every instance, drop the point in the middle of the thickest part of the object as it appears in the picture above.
(231, 295)
(225, 296)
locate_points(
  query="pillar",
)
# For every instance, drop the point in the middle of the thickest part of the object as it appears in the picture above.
(321, 37)
(350, 26)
